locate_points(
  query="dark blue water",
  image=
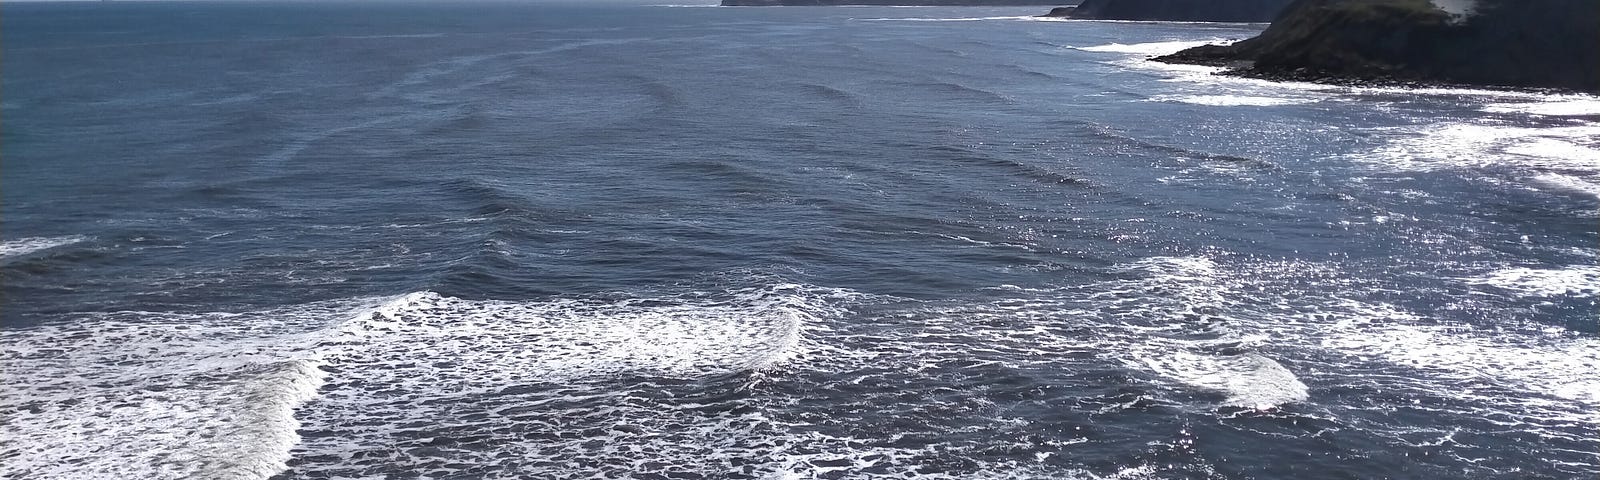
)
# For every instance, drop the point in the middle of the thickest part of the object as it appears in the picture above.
(468, 240)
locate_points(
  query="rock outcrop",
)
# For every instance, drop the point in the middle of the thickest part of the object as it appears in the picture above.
(1175, 10)
(1510, 43)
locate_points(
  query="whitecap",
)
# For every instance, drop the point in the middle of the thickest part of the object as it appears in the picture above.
(1467, 145)
(566, 340)
(1232, 100)
(24, 246)
(1151, 48)
(1555, 107)
(957, 19)
(1580, 280)
(1588, 185)
(147, 395)
(1554, 365)
(1249, 380)
(1563, 150)
(497, 368)
(225, 395)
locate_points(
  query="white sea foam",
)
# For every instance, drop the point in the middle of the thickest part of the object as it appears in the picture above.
(1551, 365)
(1151, 48)
(1466, 145)
(1554, 106)
(1191, 287)
(1583, 280)
(566, 340)
(447, 386)
(514, 375)
(215, 395)
(1215, 90)
(1232, 100)
(1564, 150)
(962, 19)
(1180, 293)
(1571, 183)
(24, 246)
(144, 395)
(1248, 380)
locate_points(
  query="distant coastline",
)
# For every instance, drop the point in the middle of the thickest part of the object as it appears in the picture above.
(892, 3)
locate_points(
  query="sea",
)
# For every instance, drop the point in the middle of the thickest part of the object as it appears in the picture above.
(463, 240)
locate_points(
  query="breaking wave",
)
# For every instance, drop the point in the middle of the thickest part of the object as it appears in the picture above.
(151, 395)
(1023, 18)
(1232, 100)
(1575, 280)
(1555, 106)
(1150, 48)
(25, 246)
(1561, 158)
(225, 395)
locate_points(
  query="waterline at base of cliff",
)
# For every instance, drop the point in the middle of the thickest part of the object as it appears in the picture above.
(1499, 43)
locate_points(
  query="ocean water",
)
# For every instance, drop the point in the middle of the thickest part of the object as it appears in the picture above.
(494, 240)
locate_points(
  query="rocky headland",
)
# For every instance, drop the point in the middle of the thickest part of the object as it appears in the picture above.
(1175, 10)
(1551, 44)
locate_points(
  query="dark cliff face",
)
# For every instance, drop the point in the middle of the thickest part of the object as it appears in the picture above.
(931, 3)
(1181, 10)
(1539, 44)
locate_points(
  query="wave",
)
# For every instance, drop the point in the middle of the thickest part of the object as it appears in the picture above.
(1550, 365)
(1577, 280)
(25, 246)
(664, 95)
(1197, 347)
(1566, 156)
(1151, 48)
(959, 92)
(710, 382)
(569, 340)
(1024, 18)
(489, 197)
(1248, 380)
(1447, 145)
(151, 395)
(1555, 106)
(1429, 354)
(1181, 152)
(831, 93)
(525, 377)
(1233, 100)
(1029, 171)
(223, 395)
(1255, 334)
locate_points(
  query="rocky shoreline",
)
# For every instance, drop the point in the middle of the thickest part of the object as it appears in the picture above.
(1174, 10)
(1502, 43)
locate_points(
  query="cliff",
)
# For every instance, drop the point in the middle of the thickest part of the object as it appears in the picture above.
(929, 3)
(1511, 43)
(1176, 10)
